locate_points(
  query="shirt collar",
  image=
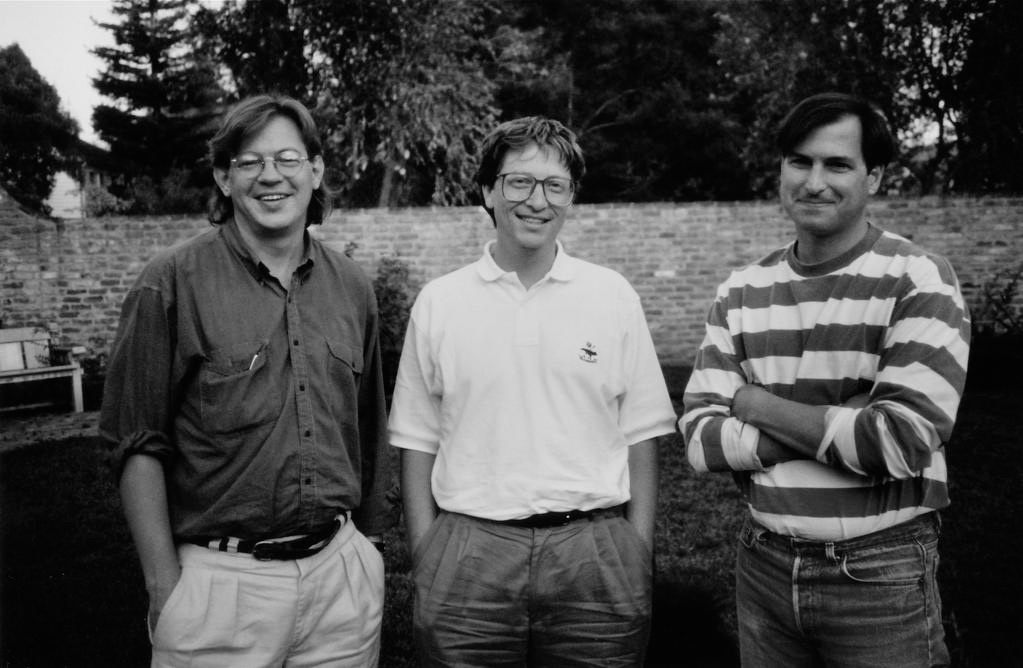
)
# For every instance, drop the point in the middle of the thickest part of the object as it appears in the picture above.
(872, 234)
(233, 238)
(563, 269)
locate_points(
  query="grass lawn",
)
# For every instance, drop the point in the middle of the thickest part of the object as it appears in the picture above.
(71, 592)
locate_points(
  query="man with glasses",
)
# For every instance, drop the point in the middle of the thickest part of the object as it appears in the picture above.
(245, 400)
(527, 407)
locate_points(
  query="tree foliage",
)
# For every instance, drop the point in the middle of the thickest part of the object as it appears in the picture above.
(396, 84)
(672, 99)
(991, 118)
(911, 57)
(638, 81)
(262, 44)
(165, 99)
(774, 54)
(35, 134)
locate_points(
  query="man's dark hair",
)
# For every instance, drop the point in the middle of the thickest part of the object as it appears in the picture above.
(517, 134)
(248, 118)
(878, 145)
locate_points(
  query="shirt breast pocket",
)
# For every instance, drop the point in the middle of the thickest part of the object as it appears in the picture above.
(237, 389)
(345, 367)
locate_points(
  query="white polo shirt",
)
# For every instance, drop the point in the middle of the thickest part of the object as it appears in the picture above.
(528, 398)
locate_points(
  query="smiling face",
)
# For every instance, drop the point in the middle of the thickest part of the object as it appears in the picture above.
(526, 231)
(824, 188)
(269, 205)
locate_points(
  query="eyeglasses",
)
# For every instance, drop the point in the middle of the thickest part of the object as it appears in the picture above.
(287, 163)
(516, 188)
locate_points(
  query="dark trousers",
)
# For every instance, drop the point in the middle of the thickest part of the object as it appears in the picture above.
(489, 594)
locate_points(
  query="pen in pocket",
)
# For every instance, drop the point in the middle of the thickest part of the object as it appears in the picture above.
(253, 362)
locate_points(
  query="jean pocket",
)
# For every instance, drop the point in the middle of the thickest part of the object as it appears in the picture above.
(749, 536)
(903, 564)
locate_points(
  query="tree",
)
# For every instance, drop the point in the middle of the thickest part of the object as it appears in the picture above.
(637, 81)
(991, 122)
(262, 45)
(927, 43)
(911, 57)
(35, 134)
(166, 97)
(774, 54)
(396, 86)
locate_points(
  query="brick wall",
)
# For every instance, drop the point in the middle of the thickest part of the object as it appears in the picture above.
(71, 277)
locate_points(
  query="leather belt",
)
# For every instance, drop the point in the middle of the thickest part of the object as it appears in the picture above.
(292, 547)
(559, 519)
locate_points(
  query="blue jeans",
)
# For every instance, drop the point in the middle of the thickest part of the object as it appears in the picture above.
(575, 596)
(865, 602)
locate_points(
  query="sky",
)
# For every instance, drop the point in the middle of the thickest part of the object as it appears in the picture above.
(57, 36)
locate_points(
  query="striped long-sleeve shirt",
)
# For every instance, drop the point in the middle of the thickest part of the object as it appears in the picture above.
(885, 319)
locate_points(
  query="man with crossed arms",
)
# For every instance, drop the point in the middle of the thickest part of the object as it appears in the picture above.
(828, 383)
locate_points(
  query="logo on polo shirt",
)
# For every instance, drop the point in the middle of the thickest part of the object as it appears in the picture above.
(589, 353)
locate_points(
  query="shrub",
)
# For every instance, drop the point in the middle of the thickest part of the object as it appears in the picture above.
(395, 291)
(996, 351)
(1001, 308)
(101, 202)
(176, 193)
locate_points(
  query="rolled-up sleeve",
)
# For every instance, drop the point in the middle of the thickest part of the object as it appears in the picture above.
(716, 441)
(919, 384)
(137, 399)
(374, 513)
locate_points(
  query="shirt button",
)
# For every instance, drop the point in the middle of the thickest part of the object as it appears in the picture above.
(301, 388)
(308, 481)
(308, 433)
(295, 342)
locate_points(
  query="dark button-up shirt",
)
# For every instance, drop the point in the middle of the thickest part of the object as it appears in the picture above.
(264, 402)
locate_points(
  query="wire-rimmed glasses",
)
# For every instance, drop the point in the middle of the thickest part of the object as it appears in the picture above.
(287, 162)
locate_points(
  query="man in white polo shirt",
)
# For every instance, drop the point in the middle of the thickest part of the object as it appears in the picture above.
(528, 404)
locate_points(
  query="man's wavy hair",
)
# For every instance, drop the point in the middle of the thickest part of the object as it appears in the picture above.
(516, 135)
(248, 118)
(877, 144)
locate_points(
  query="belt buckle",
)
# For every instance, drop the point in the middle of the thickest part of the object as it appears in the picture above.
(269, 550)
(263, 551)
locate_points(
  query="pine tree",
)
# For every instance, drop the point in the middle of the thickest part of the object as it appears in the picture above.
(166, 98)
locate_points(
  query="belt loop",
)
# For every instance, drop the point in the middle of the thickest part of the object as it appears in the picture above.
(829, 552)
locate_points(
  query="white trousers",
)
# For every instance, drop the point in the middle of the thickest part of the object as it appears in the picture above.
(229, 609)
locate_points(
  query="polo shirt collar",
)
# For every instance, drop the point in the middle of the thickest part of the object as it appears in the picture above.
(563, 269)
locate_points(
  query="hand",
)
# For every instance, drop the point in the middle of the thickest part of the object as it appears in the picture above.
(377, 540)
(857, 401)
(771, 452)
(645, 535)
(158, 595)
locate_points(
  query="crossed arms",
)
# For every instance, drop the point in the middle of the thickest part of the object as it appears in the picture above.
(874, 410)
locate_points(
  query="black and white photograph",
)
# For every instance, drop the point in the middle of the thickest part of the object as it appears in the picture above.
(534, 334)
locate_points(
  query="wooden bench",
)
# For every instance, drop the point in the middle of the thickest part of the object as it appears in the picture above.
(26, 356)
